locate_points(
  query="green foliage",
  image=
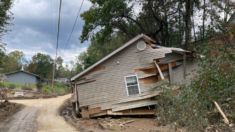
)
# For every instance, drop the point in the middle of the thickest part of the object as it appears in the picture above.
(193, 107)
(41, 65)
(46, 89)
(3, 92)
(12, 86)
(39, 86)
(6, 84)
(14, 61)
(26, 88)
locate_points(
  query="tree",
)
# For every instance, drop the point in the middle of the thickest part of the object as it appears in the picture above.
(59, 62)
(5, 17)
(14, 61)
(106, 17)
(42, 64)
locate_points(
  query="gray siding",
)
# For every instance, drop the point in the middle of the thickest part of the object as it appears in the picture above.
(108, 91)
(22, 77)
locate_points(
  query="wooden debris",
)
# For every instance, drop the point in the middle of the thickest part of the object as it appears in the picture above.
(128, 122)
(222, 113)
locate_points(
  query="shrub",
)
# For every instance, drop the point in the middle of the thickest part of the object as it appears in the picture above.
(193, 108)
(39, 86)
(3, 92)
(26, 88)
(12, 92)
(12, 86)
(46, 88)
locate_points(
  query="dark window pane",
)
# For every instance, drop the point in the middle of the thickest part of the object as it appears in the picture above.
(131, 80)
(133, 90)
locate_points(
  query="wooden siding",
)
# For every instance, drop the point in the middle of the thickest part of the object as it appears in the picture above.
(108, 91)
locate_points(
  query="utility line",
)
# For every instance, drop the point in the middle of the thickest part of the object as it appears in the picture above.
(73, 27)
(58, 34)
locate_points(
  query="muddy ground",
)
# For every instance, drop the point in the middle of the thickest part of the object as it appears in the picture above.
(38, 115)
(7, 110)
(31, 94)
(140, 123)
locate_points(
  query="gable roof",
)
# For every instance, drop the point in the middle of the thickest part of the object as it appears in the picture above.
(22, 71)
(148, 39)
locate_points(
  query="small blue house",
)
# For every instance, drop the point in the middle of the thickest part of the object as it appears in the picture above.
(22, 76)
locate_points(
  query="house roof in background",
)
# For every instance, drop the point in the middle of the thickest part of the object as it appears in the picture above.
(22, 71)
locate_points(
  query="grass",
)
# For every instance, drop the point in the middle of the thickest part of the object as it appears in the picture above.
(58, 88)
(6, 84)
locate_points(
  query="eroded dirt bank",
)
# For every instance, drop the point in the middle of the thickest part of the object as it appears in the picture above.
(38, 115)
(8, 109)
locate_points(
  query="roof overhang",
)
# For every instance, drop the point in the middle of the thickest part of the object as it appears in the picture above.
(24, 72)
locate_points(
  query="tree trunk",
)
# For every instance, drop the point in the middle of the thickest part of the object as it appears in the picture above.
(187, 23)
(203, 22)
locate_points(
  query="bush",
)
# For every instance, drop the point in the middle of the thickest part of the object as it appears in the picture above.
(46, 88)
(26, 88)
(39, 86)
(13, 92)
(194, 108)
(12, 86)
(3, 92)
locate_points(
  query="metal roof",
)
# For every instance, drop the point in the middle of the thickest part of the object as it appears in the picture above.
(22, 71)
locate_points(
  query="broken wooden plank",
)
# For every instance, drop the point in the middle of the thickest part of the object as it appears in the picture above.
(96, 69)
(222, 113)
(159, 70)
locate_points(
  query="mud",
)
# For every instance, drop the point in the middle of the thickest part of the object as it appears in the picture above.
(40, 115)
(23, 121)
(8, 109)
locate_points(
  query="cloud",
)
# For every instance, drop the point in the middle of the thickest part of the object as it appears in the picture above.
(35, 28)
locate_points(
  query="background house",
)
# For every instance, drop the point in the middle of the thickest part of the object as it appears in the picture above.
(61, 80)
(22, 76)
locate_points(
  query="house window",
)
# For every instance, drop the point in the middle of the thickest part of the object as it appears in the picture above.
(132, 85)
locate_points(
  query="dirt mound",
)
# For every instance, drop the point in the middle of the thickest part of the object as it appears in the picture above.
(8, 109)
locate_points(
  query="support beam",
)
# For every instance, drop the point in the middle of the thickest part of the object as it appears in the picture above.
(170, 72)
(159, 70)
(76, 96)
(184, 65)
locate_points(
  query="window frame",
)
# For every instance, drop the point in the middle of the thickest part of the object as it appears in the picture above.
(127, 86)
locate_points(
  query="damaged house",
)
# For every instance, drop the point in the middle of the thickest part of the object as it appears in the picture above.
(124, 82)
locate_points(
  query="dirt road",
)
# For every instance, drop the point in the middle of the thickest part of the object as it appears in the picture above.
(39, 115)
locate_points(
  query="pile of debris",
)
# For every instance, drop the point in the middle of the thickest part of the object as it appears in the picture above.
(112, 124)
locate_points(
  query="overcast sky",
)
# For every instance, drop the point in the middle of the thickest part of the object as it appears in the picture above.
(35, 28)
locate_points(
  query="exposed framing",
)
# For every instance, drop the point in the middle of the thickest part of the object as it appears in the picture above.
(137, 83)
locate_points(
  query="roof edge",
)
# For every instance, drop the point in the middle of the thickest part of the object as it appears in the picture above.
(22, 71)
(108, 56)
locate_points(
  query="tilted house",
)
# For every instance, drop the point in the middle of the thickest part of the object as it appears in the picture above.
(124, 82)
